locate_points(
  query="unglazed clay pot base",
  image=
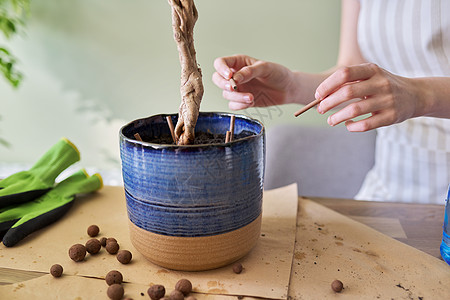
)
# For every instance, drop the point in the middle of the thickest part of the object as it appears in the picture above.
(195, 253)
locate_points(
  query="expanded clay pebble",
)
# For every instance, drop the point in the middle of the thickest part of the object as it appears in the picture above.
(337, 286)
(103, 241)
(93, 246)
(156, 291)
(112, 247)
(77, 252)
(124, 256)
(113, 277)
(93, 230)
(176, 295)
(184, 286)
(115, 292)
(56, 270)
(237, 268)
(109, 240)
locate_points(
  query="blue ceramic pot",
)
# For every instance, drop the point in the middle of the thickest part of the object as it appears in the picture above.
(193, 190)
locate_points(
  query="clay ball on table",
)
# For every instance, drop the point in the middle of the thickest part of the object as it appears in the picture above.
(77, 252)
(112, 247)
(124, 256)
(93, 230)
(103, 241)
(111, 239)
(237, 268)
(337, 286)
(184, 286)
(156, 291)
(115, 292)
(93, 246)
(176, 295)
(113, 277)
(56, 270)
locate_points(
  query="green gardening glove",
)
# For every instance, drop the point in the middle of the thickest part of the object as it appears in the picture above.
(28, 185)
(18, 221)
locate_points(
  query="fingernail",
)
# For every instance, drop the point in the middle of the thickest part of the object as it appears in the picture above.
(238, 77)
(329, 121)
(228, 87)
(319, 109)
(227, 74)
(247, 99)
(317, 96)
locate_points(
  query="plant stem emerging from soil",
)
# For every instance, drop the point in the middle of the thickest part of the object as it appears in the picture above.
(184, 16)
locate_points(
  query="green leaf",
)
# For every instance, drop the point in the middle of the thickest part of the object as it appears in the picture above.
(12, 17)
(7, 67)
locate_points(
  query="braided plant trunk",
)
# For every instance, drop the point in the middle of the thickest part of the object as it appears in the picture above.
(184, 16)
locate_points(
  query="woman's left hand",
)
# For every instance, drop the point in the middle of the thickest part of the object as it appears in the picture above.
(387, 98)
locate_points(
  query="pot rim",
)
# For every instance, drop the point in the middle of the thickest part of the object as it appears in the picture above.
(171, 146)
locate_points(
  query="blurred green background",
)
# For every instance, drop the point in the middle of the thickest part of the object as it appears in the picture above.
(90, 66)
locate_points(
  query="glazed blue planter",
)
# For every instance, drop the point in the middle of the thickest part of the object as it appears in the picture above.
(193, 190)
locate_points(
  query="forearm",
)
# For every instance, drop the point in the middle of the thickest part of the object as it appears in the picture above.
(434, 96)
(304, 86)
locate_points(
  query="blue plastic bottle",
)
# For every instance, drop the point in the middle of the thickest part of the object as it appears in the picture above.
(445, 245)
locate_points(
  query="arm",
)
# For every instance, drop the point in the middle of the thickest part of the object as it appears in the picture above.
(279, 84)
(385, 97)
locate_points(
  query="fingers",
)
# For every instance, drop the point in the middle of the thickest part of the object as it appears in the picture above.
(224, 65)
(345, 75)
(372, 122)
(347, 92)
(221, 82)
(238, 100)
(238, 105)
(360, 108)
(247, 73)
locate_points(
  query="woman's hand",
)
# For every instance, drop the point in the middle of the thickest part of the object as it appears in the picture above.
(259, 83)
(388, 98)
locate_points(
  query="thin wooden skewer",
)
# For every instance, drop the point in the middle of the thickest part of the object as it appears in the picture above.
(233, 84)
(306, 107)
(172, 129)
(227, 137)
(232, 127)
(138, 137)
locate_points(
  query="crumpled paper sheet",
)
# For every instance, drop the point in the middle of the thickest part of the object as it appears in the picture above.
(267, 267)
(370, 264)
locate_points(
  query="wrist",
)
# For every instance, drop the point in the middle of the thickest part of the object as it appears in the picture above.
(294, 89)
(433, 99)
(422, 97)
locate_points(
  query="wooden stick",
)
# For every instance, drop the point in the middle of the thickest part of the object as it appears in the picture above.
(172, 129)
(233, 84)
(232, 127)
(138, 137)
(227, 137)
(306, 107)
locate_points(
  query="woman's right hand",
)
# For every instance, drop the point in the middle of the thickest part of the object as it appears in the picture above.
(259, 83)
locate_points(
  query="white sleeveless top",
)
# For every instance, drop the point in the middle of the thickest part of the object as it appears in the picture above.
(409, 38)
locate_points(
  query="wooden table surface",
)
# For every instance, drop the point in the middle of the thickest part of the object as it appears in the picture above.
(418, 225)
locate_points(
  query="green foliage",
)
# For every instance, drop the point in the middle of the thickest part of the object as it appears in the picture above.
(12, 18)
(7, 62)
